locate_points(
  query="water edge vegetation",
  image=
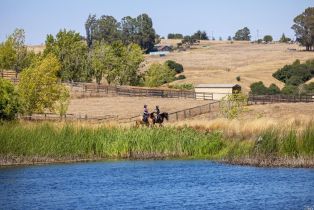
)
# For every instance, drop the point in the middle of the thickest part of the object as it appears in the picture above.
(28, 143)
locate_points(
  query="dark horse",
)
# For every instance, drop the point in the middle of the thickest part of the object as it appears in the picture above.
(159, 120)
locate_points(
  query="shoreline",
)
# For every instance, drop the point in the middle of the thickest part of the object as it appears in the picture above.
(253, 162)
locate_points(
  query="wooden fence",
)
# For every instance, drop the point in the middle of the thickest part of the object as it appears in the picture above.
(264, 99)
(173, 116)
(93, 90)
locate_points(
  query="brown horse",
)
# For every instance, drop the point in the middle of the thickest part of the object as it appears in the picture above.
(148, 123)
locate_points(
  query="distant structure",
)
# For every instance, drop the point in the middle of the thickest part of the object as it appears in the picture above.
(215, 91)
(161, 50)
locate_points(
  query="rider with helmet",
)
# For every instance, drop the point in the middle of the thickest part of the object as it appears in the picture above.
(145, 114)
(157, 111)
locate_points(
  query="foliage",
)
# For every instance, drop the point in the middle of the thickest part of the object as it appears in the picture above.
(175, 36)
(284, 39)
(296, 73)
(268, 38)
(309, 88)
(199, 35)
(158, 74)
(180, 77)
(7, 54)
(242, 35)
(13, 52)
(304, 28)
(290, 90)
(177, 67)
(273, 89)
(229, 38)
(38, 87)
(71, 52)
(232, 105)
(188, 40)
(9, 103)
(238, 78)
(119, 63)
(183, 86)
(130, 30)
(259, 88)
(62, 104)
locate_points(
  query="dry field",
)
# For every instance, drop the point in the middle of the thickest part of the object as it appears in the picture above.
(127, 106)
(222, 62)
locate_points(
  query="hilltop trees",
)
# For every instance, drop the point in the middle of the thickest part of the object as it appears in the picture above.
(200, 35)
(304, 28)
(242, 35)
(107, 29)
(72, 54)
(268, 38)
(284, 39)
(175, 36)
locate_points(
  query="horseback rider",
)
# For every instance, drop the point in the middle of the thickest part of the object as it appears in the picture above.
(157, 111)
(145, 114)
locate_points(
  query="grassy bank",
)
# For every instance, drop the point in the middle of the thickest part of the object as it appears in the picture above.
(48, 142)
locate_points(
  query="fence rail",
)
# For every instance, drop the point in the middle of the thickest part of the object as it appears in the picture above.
(263, 99)
(94, 90)
(173, 116)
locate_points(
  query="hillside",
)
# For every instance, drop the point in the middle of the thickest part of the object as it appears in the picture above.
(222, 62)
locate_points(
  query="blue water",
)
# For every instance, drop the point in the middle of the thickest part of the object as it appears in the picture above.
(155, 185)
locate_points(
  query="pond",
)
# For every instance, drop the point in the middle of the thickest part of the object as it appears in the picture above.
(170, 184)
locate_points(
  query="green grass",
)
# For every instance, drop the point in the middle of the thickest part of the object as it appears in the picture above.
(71, 141)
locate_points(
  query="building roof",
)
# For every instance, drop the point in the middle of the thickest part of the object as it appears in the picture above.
(217, 85)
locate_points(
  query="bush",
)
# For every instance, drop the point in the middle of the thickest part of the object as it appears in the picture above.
(9, 104)
(175, 66)
(232, 105)
(273, 89)
(184, 86)
(158, 74)
(258, 88)
(309, 88)
(290, 90)
(180, 77)
(238, 78)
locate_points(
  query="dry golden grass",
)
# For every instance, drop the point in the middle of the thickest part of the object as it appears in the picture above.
(256, 119)
(128, 106)
(222, 62)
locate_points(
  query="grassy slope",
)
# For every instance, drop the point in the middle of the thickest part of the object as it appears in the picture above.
(49, 142)
(222, 62)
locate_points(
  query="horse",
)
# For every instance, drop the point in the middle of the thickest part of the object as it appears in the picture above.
(161, 118)
(149, 122)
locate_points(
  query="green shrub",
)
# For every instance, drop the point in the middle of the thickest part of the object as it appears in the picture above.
(296, 73)
(180, 77)
(9, 103)
(175, 66)
(158, 74)
(290, 90)
(259, 88)
(273, 89)
(238, 78)
(184, 86)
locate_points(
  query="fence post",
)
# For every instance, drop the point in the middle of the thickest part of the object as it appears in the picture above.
(184, 114)
(177, 116)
